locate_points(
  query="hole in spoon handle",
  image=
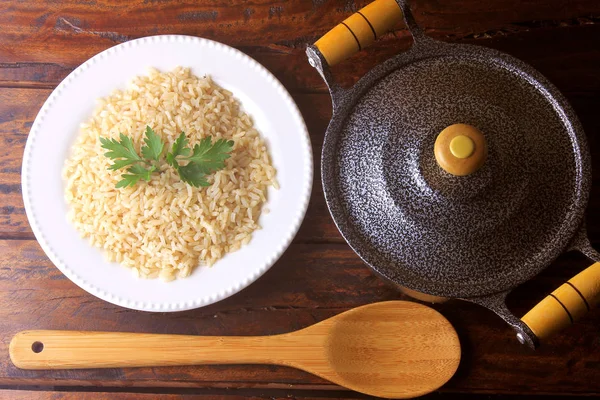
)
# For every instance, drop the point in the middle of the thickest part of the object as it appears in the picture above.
(37, 347)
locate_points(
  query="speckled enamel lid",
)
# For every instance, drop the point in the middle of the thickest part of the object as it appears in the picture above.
(446, 235)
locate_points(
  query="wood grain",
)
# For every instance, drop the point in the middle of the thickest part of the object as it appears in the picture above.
(57, 395)
(566, 54)
(49, 395)
(225, 394)
(310, 283)
(391, 349)
(233, 394)
(53, 31)
(319, 276)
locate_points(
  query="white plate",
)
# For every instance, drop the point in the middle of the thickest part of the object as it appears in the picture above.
(275, 115)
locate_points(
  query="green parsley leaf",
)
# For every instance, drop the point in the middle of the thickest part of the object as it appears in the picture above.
(192, 174)
(136, 172)
(118, 164)
(154, 145)
(178, 149)
(120, 149)
(205, 158)
(211, 157)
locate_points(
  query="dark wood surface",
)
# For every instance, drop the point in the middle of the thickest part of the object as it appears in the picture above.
(319, 276)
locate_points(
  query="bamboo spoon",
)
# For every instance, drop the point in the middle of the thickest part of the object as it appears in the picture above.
(394, 349)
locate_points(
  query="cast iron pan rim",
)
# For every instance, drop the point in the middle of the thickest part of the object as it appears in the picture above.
(345, 100)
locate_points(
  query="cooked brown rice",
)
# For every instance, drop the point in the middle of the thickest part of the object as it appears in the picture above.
(164, 228)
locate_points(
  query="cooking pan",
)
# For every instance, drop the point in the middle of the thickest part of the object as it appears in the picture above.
(456, 171)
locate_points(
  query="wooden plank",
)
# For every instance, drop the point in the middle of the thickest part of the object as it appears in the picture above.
(51, 395)
(18, 108)
(42, 41)
(233, 394)
(107, 395)
(310, 283)
(51, 31)
(211, 394)
(567, 55)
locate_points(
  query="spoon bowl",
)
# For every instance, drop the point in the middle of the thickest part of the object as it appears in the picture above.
(392, 349)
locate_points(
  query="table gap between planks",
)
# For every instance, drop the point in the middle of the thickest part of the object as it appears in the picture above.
(319, 276)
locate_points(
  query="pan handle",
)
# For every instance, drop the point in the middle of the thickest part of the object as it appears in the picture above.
(566, 304)
(570, 301)
(357, 32)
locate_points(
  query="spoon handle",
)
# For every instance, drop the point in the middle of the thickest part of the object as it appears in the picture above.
(45, 349)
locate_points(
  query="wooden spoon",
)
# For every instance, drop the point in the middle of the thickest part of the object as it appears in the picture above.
(394, 349)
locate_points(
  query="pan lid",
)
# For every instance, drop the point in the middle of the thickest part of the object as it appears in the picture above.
(442, 233)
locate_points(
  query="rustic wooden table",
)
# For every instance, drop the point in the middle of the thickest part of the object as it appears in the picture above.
(319, 276)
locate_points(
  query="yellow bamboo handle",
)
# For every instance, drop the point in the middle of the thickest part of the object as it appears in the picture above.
(566, 304)
(74, 349)
(359, 30)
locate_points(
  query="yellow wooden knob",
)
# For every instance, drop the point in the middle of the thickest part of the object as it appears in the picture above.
(460, 149)
(462, 146)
